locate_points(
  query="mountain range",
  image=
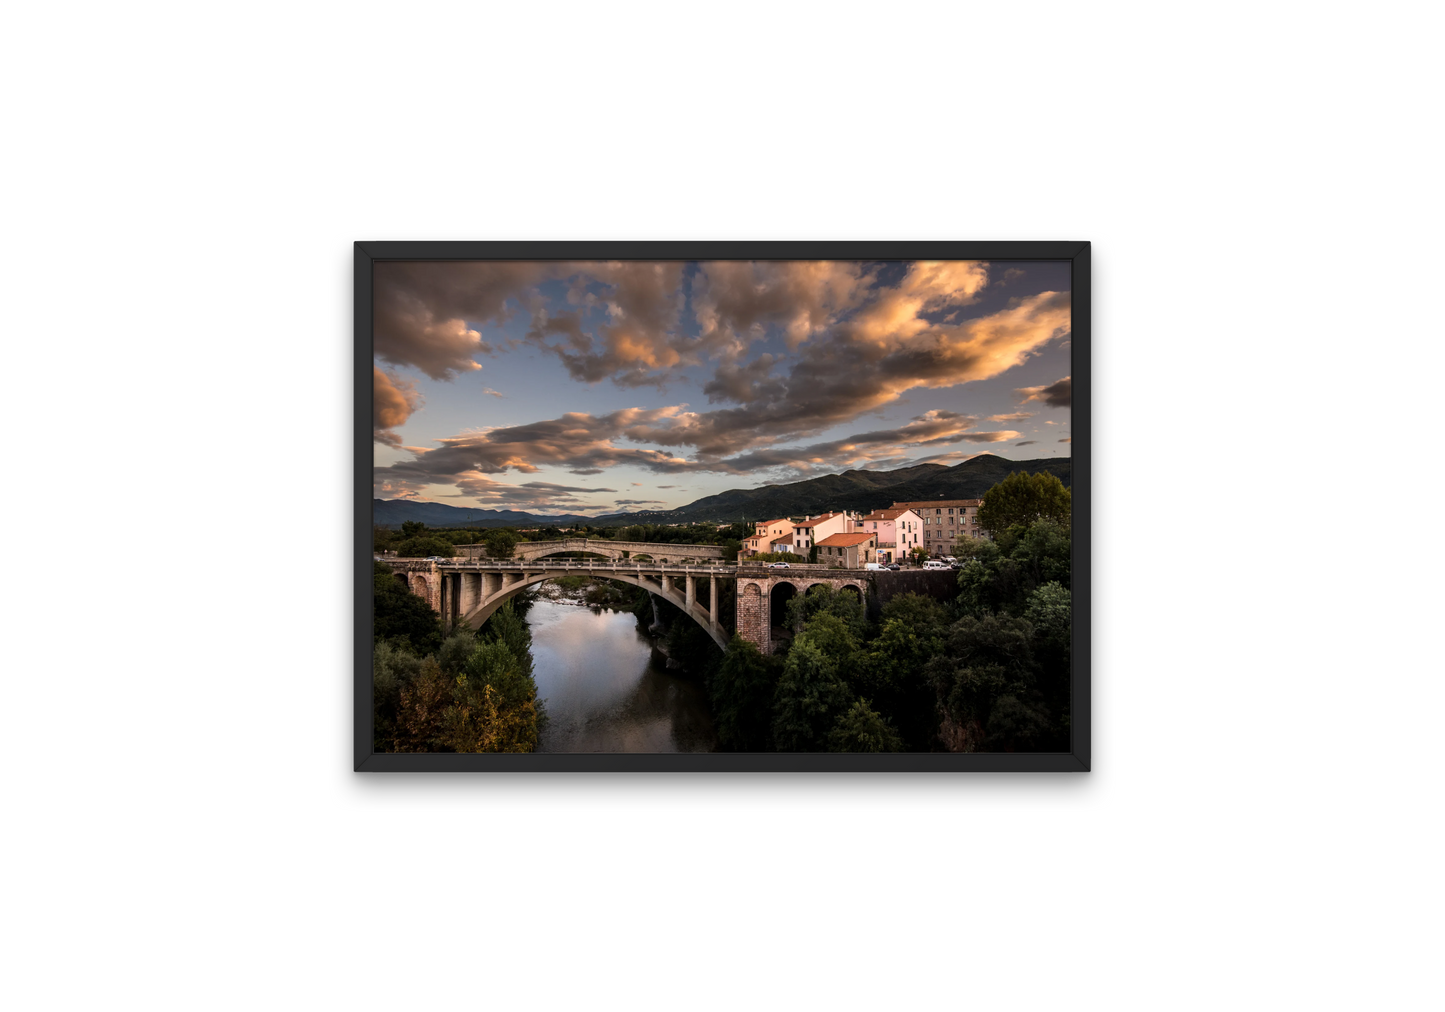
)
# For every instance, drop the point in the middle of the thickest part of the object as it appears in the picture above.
(850, 490)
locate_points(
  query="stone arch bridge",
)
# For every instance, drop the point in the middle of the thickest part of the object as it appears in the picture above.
(614, 550)
(471, 590)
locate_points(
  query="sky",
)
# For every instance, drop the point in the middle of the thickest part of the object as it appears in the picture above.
(598, 388)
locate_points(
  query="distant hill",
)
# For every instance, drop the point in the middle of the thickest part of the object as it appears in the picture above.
(868, 490)
(852, 490)
(395, 512)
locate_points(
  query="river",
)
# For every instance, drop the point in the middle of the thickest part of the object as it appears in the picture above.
(603, 690)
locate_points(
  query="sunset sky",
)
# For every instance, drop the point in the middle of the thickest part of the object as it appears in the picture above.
(603, 387)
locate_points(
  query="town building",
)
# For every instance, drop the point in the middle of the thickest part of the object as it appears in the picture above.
(945, 522)
(764, 533)
(847, 551)
(809, 531)
(897, 530)
(797, 536)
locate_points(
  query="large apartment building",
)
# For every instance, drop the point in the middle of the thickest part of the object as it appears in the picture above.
(944, 522)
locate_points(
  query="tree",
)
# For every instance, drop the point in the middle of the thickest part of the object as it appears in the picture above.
(1021, 498)
(1003, 574)
(412, 529)
(918, 552)
(392, 666)
(987, 677)
(823, 599)
(507, 626)
(741, 692)
(811, 696)
(892, 671)
(861, 729)
(399, 616)
(424, 546)
(1050, 611)
(500, 542)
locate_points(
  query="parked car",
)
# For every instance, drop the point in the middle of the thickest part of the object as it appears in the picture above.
(894, 566)
(935, 564)
(778, 565)
(434, 558)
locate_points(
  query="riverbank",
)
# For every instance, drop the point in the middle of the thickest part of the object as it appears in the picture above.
(589, 592)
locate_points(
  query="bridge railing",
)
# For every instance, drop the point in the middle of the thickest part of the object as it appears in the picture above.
(629, 565)
(718, 568)
(623, 565)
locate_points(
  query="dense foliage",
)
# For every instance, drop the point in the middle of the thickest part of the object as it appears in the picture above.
(474, 693)
(400, 617)
(1021, 498)
(424, 546)
(501, 543)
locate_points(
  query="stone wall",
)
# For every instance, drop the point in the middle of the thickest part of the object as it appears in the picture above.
(886, 585)
(754, 618)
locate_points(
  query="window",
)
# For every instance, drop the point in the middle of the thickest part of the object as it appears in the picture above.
(950, 512)
(938, 513)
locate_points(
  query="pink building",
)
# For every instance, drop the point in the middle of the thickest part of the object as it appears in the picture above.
(897, 531)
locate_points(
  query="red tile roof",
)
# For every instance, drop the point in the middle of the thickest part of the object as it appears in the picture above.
(892, 514)
(937, 503)
(846, 540)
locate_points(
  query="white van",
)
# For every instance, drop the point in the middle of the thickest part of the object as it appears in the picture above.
(871, 565)
(935, 564)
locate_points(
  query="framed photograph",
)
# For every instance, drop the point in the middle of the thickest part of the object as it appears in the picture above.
(722, 506)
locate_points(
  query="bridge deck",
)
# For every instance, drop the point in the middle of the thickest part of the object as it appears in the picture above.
(623, 565)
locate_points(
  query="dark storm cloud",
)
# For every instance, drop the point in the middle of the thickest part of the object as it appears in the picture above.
(547, 486)
(423, 310)
(1055, 395)
(636, 502)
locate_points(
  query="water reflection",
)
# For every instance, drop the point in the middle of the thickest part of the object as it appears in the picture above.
(603, 692)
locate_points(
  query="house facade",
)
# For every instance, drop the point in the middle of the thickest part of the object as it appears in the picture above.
(847, 551)
(944, 523)
(897, 531)
(765, 532)
(824, 526)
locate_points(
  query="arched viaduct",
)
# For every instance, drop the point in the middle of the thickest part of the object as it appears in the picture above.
(472, 590)
(614, 550)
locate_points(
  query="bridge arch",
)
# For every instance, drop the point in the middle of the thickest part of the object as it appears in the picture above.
(671, 595)
(472, 593)
(779, 596)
